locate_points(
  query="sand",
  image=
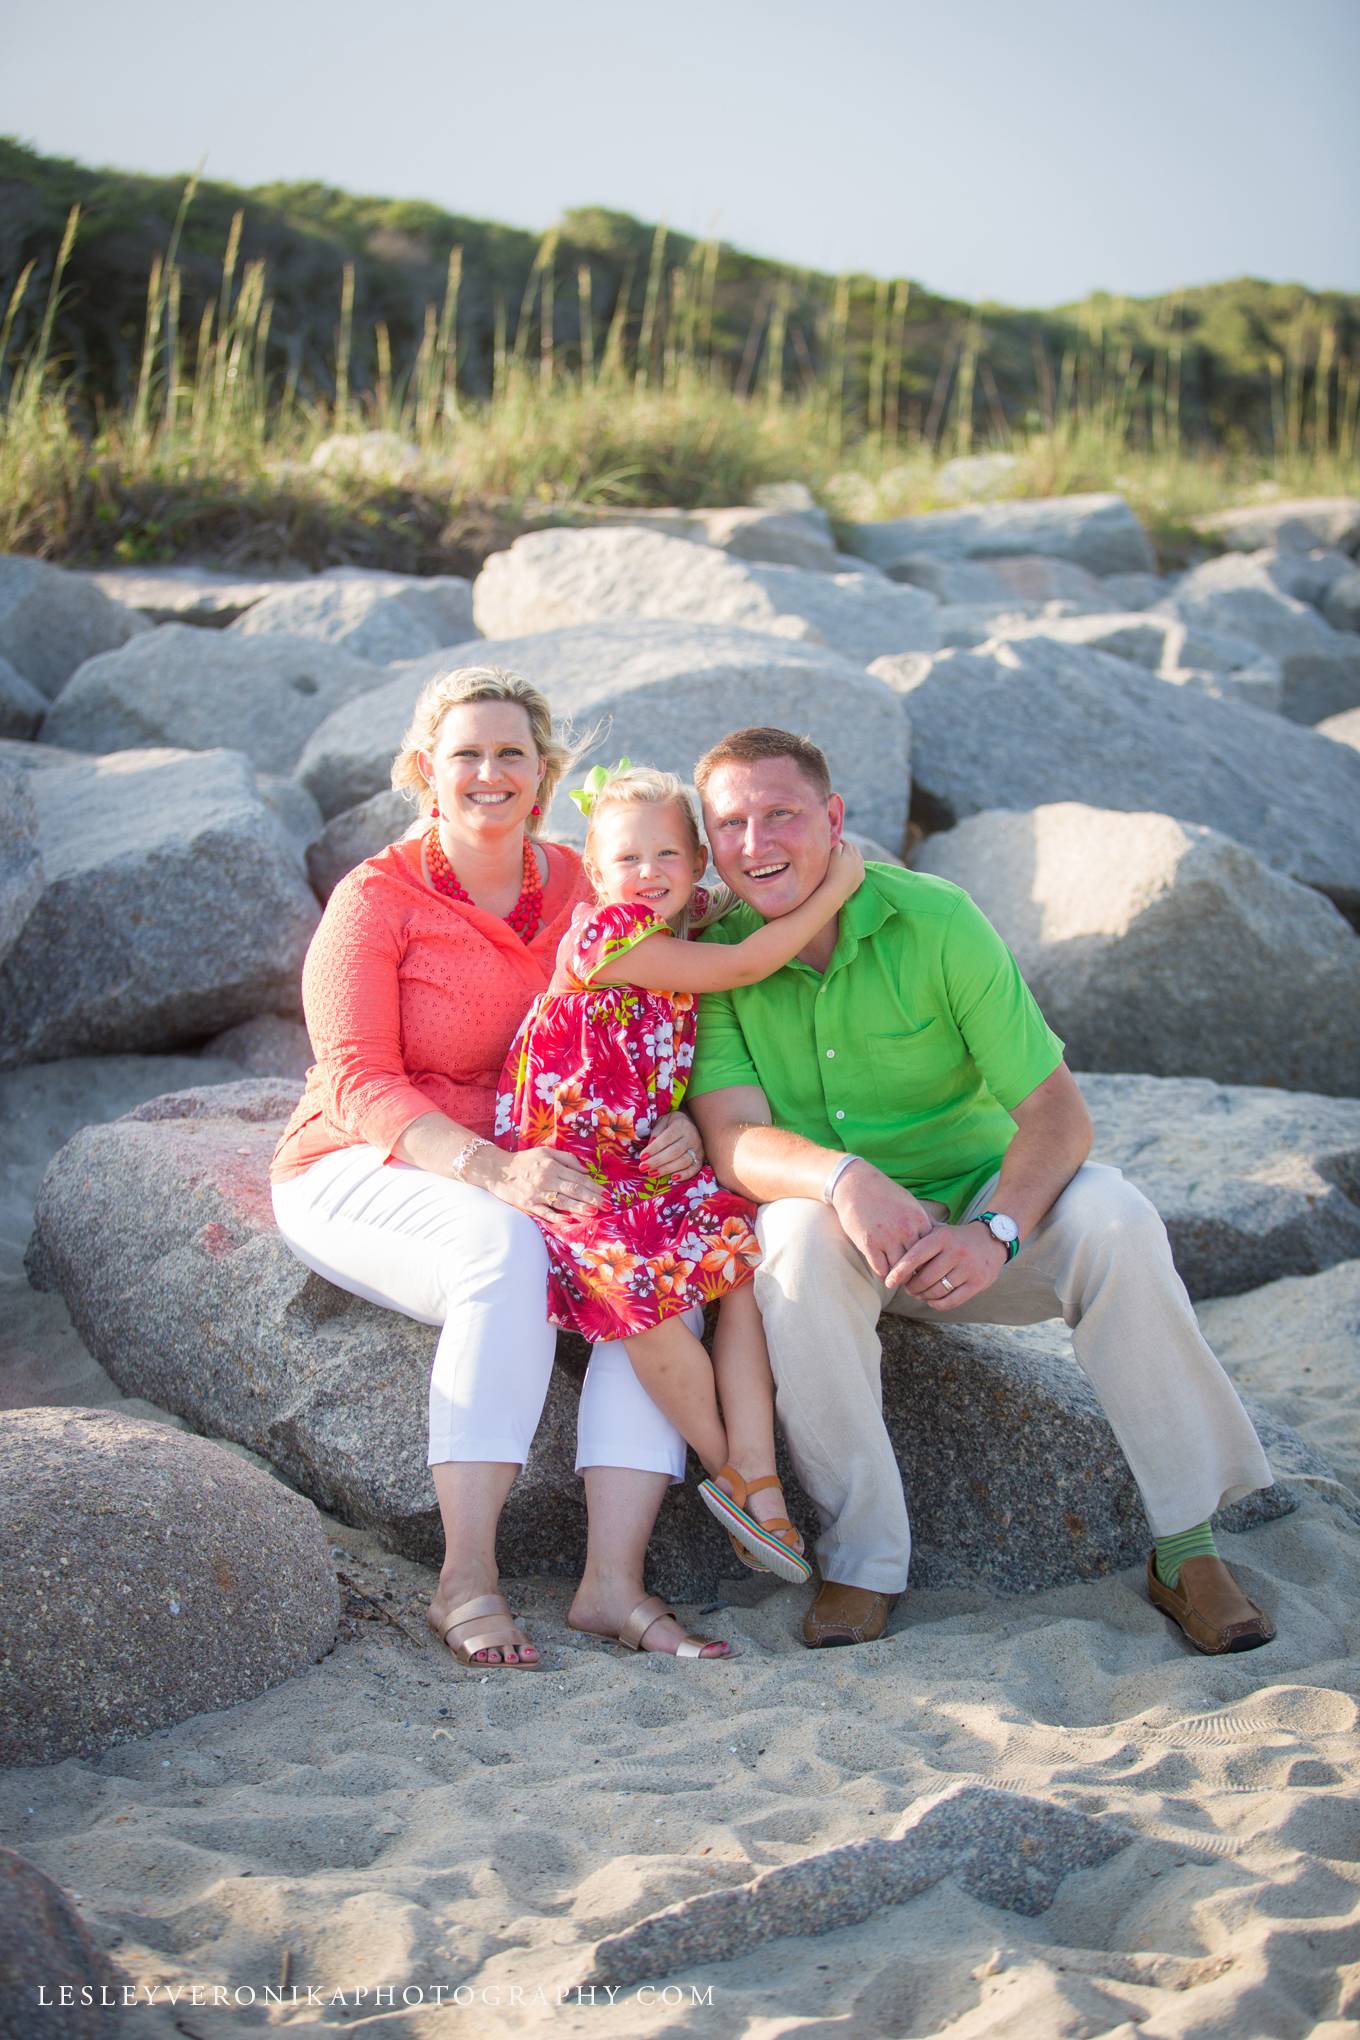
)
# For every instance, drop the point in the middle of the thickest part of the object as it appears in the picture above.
(383, 1821)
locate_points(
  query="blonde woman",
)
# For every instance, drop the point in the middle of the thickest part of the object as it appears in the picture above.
(387, 1183)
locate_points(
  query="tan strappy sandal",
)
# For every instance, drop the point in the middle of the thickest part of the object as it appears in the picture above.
(648, 1612)
(762, 1547)
(464, 1649)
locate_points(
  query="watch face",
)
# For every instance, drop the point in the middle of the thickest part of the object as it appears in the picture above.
(1002, 1228)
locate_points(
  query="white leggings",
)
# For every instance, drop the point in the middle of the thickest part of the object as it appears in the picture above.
(451, 1255)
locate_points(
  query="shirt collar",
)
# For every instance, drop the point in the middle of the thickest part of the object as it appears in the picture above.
(863, 914)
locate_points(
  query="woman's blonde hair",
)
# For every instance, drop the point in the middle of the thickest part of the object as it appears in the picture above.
(479, 683)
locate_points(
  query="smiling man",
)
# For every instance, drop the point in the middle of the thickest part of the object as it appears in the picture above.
(895, 1102)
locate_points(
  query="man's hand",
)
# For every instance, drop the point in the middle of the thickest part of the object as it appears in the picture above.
(878, 1216)
(951, 1265)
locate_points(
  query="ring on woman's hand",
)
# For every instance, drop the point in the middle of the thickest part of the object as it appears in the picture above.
(550, 1197)
(945, 1283)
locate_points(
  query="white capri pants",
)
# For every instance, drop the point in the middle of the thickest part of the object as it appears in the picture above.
(451, 1255)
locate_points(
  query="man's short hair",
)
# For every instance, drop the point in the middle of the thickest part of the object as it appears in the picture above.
(748, 747)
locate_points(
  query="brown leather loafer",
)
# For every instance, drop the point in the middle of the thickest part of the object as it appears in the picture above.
(1209, 1606)
(841, 1615)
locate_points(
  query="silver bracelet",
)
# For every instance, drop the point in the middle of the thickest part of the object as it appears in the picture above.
(464, 1156)
(829, 1187)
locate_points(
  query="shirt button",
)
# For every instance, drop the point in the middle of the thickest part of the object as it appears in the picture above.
(840, 1115)
(830, 1054)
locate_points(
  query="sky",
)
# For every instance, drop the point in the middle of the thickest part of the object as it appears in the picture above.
(1024, 151)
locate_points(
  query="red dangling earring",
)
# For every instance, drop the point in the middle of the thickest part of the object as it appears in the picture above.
(434, 811)
(535, 809)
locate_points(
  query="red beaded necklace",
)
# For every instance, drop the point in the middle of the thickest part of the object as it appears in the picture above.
(527, 912)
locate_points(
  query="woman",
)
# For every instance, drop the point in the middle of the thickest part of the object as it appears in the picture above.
(386, 1181)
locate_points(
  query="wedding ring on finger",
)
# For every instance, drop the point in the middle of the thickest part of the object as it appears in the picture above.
(550, 1199)
(945, 1284)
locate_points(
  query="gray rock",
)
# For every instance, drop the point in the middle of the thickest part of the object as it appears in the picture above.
(778, 537)
(49, 1958)
(268, 1046)
(1005, 1848)
(371, 456)
(201, 689)
(202, 596)
(1341, 603)
(1292, 1344)
(1295, 525)
(1239, 596)
(656, 691)
(783, 496)
(1029, 721)
(1134, 591)
(550, 580)
(1156, 945)
(21, 873)
(1342, 729)
(379, 618)
(970, 476)
(171, 907)
(967, 624)
(1098, 532)
(51, 621)
(1228, 668)
(293, 807)
(151, 1576)
(22, 708)
(1306, 575)
(359, 832)
(158, 1232)
(1252, 1184)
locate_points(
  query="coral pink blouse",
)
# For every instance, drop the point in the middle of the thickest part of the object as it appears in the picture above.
(412, 1000)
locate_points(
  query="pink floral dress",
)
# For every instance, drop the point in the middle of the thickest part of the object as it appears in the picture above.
(591, 1071)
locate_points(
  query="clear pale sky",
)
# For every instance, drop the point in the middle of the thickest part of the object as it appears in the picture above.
(1022, 150)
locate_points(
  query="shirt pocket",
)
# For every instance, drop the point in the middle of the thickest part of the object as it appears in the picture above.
(919, 1065)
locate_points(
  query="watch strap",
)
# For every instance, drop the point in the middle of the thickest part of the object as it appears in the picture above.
(1012, 1246)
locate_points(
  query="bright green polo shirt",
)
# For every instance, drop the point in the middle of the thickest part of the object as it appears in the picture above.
(910, 1049)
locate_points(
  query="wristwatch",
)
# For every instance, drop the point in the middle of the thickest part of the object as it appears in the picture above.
(1001, 1228)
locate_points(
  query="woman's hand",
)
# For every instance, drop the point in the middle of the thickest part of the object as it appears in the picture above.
(542, 1181)
(676, 1149)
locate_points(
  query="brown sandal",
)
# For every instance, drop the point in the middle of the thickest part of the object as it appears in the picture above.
(464, 1649)
(761, 1547)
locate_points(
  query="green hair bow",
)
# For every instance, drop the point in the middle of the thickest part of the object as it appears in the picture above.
(597, 779)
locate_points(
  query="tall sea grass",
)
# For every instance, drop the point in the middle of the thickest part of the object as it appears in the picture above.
(217, 434)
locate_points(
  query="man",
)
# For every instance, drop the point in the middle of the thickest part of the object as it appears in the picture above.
(897, 1105)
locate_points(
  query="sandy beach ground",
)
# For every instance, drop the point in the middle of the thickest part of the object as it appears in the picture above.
(384, 1822)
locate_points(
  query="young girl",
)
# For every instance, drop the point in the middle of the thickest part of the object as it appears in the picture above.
(601, 1057)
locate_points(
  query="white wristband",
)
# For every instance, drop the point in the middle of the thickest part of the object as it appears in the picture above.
(464, 1156)
(829, 1187)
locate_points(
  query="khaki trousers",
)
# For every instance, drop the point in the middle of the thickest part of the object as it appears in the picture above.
(1101, 1262)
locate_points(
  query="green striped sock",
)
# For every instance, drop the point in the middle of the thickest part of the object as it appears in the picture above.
(1172, 1552)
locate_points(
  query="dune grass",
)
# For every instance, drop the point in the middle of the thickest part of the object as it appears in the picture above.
(211, 455)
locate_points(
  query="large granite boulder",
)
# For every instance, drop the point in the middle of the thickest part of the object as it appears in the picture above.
(1028, 722)
(1341, 603)
(172, 905)
(1252, 1184)
(657, 692)
(1342, 729)
(22, 708)
(201, 689)
(57, 1977)
(150, 1575)
(51, 621)
(1161, 946)
(550, 580)
(158, 1232)
(782, 537)
(1294, 1344)
(204, 596)
(21, 872)
(1098, 532)
(1165, 645)
(1294, 524)
(1239, 595)
(267, 1046)
(378, 617)
(356, 833)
